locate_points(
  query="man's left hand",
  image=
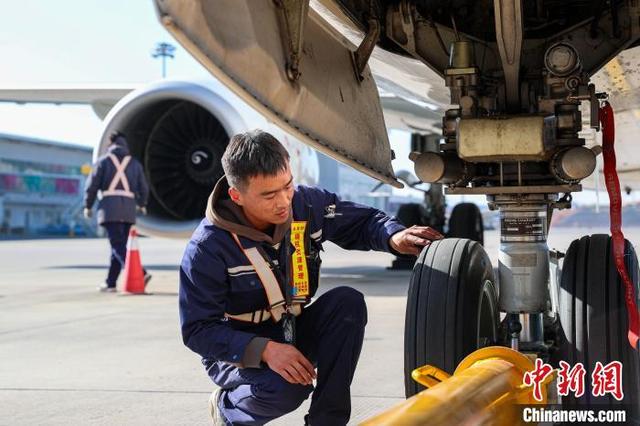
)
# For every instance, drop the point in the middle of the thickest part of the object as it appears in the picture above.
(412, 240)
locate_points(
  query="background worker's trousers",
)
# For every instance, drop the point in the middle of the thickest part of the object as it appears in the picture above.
(329, 333)
(118, 234)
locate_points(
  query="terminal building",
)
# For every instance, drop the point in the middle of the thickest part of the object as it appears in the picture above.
(41, 187)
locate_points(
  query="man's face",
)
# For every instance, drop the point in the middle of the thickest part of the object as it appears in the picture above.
(266, 200)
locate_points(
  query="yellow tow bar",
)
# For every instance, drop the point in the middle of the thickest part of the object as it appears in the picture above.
(485, 389)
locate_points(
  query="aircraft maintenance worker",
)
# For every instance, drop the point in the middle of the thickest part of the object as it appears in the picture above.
(250, 269)
(119, 180)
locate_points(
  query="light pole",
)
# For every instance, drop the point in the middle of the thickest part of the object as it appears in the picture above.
(163, 50)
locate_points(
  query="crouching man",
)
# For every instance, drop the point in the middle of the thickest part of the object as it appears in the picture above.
(248, 275)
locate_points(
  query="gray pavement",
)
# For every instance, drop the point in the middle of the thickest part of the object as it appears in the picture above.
(71, 355)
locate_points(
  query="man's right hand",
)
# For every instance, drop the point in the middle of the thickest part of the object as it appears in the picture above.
(87, 213)
(288, 362)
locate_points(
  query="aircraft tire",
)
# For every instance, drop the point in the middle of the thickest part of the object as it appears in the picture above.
(593, 320)
(466, 222)
(452, 307)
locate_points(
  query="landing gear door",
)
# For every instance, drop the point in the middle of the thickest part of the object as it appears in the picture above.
(325, 102)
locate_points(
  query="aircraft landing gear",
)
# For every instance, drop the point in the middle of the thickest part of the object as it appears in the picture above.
(593, 320)
(452, 307)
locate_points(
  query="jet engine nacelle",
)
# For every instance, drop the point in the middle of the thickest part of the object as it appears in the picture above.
(179, 131)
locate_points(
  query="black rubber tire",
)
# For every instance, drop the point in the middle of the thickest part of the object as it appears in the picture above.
(466, 222)
(410, 214)
(593, 320)
(450, 282)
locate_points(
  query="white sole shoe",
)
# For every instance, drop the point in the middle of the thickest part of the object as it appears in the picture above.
(214, 410)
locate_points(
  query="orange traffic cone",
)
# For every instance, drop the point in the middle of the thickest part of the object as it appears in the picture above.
(133, 275)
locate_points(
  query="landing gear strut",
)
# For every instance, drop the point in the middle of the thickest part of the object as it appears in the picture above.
(513, 134)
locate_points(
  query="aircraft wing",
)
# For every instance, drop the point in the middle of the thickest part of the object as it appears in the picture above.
(411, 115)
(399, 113)
(101, 99)
(321, 99)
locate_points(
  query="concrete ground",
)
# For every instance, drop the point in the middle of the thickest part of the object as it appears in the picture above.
(71, 355)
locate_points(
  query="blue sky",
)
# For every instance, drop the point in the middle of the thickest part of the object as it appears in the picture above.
(78, 42)
(86, 42)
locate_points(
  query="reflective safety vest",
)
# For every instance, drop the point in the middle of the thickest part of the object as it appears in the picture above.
(119, 177)
(299, 275)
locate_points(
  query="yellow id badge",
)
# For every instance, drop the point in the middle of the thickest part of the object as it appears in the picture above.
(299, 260)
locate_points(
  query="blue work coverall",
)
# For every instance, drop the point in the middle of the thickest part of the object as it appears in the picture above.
(217, 278)
(116, 213)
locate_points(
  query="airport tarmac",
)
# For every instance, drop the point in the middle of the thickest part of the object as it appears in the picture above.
(72, 355)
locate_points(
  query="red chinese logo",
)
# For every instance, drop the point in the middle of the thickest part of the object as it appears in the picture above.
(607, 380)
(536, 377)
(571, 379)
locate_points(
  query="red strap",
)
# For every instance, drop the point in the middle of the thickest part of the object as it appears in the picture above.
(615, 212)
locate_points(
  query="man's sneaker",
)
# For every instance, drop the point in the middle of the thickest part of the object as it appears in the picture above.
(147, 278)
(214, 408)
(104, 288)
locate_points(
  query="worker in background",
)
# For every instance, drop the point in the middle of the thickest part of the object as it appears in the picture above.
(118, 181)
(246, 282)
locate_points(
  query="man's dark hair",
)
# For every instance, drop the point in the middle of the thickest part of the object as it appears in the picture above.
(251, 154)
(115, 135)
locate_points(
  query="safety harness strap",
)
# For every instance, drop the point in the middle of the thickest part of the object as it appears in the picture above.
(119, 178)
(263, 315)
(615, 212)
(277, 304)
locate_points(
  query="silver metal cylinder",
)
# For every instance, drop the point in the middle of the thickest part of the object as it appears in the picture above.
(574, 163)
(515, 343)
(438, 167)
(524, 258)
(532, 328)
(429, 166)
